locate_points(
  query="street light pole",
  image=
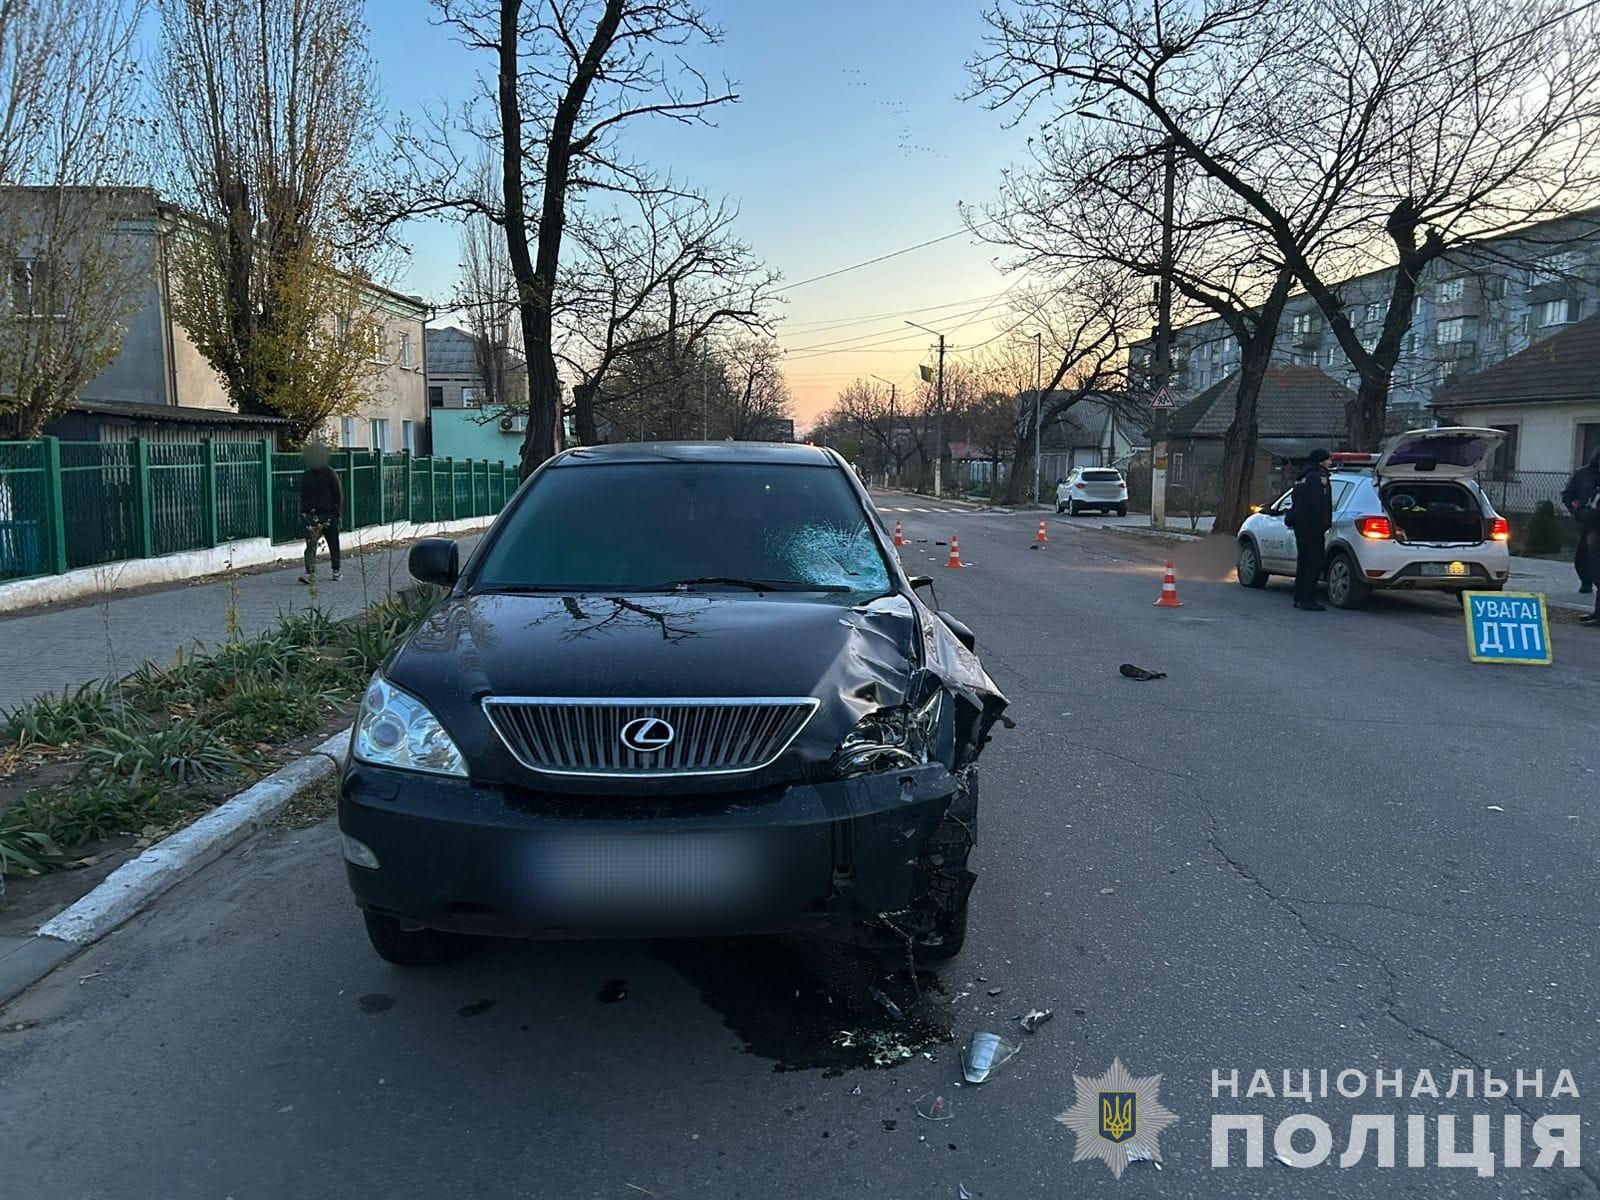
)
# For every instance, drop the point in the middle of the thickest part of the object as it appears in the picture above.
(1163, 364)
(1038, 409)
(938, 415)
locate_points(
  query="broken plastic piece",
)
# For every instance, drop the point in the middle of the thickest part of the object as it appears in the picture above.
(1140, 673)
(962, 1193)
(995, 991)
(889, 1005)
(986, 1054)
(1035, 1017)
(933, 1108)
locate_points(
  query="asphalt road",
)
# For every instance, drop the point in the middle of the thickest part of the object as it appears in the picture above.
(1283, 855)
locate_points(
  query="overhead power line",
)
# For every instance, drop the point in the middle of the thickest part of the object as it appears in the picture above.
(894, 254)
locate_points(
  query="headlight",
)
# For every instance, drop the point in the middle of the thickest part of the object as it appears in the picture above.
(891, 738)
(395, 729)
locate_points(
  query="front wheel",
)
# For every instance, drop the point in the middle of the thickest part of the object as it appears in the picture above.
(1249, 566)
(1346, 589)
(413, 948)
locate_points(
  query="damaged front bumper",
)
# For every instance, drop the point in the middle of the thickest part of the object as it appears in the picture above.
(453, 855)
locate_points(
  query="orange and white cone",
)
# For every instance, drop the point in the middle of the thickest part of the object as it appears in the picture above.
(955, 553)
(1041, 537)
(1169, 590)
(899, 537)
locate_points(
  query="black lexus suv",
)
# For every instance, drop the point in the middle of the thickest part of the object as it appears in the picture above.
(679, 688)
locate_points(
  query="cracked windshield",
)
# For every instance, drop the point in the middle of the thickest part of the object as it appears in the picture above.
(983, 599)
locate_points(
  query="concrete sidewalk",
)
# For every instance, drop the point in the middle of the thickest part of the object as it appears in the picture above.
(1552, 576)
(63, 647)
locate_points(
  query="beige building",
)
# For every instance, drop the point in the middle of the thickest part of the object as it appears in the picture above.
(158, 367)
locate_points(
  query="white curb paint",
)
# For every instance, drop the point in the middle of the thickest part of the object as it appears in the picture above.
(173, 859)
(198, 564)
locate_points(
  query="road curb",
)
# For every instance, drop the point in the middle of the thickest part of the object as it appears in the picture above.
(135, 884)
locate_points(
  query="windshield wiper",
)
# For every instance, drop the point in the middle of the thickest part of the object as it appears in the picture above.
(758, 585)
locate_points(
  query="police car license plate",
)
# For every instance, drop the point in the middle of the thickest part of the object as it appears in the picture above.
(1449, 568)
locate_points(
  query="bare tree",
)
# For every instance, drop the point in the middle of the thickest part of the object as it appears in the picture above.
(486, 296)
(69, 261)
(877, 414)
(756, 394)
(267, 111)
(1357, 133)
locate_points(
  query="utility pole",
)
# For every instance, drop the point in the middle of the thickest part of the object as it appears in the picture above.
(1163, 363)
(889, 448)
(1038, 409)
(705, 400)
(938, 415)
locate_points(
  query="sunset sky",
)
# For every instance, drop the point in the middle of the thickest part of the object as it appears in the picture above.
(850, 141)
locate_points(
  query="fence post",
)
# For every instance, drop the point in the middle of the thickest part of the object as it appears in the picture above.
(405, 485)
(267, 515)
(55, 508)
(139, 454)
(378, 470)
(211, 501)
(451, 463)
(349, 521)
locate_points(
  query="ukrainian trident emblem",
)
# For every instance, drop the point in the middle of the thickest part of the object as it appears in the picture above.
(1117, 1118)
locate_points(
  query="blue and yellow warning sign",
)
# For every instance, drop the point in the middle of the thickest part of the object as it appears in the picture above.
(1507, 627)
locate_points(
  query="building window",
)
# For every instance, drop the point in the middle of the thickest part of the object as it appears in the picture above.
(341, 328)
(1504, 461)
(1375, 311)
(1557, 312)
(408, 436)
(380, 342)
(1451, 290)
(1588, 443)
(469, 397)
(1175, 470)
(1448, 333)
(347, 432)
(405, 350)
(435, 397)
(380, 433)
(1302, 323)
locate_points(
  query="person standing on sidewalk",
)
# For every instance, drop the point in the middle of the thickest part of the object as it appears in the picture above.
(321, 507)
(1311, 516)
(1578, 498)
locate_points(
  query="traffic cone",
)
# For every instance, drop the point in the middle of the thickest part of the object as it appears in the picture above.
(1169, 590)
(1041, 537)
(899, 537)
(955, 553)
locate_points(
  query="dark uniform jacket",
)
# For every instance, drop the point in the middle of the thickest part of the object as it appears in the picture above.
(1312, 510)
(321, 492)
(1581, 488)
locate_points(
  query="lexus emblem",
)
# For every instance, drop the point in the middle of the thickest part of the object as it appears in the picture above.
(647, 734)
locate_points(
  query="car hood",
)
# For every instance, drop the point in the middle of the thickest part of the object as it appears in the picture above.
(852, 659)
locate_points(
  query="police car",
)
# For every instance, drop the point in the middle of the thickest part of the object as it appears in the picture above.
(1412, 517)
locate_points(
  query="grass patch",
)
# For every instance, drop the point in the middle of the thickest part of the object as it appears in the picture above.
(164, 744)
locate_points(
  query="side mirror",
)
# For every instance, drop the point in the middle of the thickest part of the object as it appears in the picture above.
(435, 560)
(920, 581)
(963, 635)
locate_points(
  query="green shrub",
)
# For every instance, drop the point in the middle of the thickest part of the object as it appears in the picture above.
(185, 752)
(1543, 532)
(64, 719)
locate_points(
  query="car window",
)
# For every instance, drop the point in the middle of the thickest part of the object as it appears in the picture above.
(1102, 476)
(643, 525)
(1284, 502)
(1341, 491)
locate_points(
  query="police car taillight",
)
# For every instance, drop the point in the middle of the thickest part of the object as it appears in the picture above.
(1351, 458)
(1379, 529)
(1500, 529)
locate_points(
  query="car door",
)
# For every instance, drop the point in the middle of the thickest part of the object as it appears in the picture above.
(1275, 537)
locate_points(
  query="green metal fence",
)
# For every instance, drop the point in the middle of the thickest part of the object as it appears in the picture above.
(80, 504)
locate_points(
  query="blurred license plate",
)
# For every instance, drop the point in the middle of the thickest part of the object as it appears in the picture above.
(1450, 568)
(614, 874)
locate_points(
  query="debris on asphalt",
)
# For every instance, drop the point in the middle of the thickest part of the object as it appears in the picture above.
(1494, 808)
(889, 1006)
(884, 1049)
(962, 1193)
(1140, 673)
(1108, 891)
(932, 1108)
(1080, 1012)
(995, 991)
(1034, 1017)
(637, 1188)
(612, 991)
(856, 1091)
(986, 1054)
(1138, 1153)
(890, 1126)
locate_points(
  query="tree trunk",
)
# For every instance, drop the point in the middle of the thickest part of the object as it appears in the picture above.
(1021, 462)
(583, 412)
(1239, 444)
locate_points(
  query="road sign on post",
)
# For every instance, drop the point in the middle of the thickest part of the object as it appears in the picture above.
(1163, 399)
(1507, 627)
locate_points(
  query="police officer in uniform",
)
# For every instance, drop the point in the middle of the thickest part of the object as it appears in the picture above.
(1311, 516)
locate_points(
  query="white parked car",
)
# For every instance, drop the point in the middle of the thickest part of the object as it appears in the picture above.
(1101, 488)
(1410, 517)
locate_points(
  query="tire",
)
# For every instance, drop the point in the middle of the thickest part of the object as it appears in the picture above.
(408, 948)
(1072, 508)
(1060, 508)
(1122, 510)
(1251, 574)
(1346, 589)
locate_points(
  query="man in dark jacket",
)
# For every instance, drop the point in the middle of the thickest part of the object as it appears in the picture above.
(321, 507)
(1311, 516)
(1578, 498)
